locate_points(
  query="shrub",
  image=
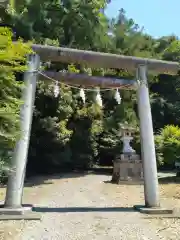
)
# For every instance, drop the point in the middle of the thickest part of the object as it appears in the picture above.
(12, 61)
(168, 145)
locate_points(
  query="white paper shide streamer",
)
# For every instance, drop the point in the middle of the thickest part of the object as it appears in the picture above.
(56, 89)
(82, 95)
(98, 98)
(117, 96)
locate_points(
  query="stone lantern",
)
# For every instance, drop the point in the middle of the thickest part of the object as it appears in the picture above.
(128, 166)
(126, 138)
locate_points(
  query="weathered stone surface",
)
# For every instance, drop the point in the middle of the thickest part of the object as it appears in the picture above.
(127, 168)
(154, 211)
(22, 213)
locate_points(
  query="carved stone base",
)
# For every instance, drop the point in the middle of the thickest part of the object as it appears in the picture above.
(127, 170)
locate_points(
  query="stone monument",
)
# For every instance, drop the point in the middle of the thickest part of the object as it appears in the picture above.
(127, 166)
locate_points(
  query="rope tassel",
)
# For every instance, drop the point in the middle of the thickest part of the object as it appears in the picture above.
(82, 95)
(56, 89)
(117, 96)
(98, 98)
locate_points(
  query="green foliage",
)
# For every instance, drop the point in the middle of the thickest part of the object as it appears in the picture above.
(172, 52)
(65, 132)
(12, 60)
(168, 145)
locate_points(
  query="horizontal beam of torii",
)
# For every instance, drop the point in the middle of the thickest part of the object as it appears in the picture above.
(104, 60)
(89, 81)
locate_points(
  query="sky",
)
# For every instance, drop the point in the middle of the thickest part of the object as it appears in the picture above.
(158, 17)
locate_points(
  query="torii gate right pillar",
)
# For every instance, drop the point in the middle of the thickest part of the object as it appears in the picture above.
(151, 190)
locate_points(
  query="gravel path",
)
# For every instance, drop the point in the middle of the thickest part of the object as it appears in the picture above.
(85, 207)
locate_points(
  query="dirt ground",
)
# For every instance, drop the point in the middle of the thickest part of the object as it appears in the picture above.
(42, 190)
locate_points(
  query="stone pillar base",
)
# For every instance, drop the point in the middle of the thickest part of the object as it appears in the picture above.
(153, 211)
(24, 212)
(127, 170)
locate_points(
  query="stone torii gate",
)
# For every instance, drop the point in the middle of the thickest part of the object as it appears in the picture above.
(140, 66)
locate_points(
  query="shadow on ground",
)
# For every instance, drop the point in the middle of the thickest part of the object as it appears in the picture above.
(83, 209)
(49, 178)
(107, 171)
(126, 182)
(170, 179)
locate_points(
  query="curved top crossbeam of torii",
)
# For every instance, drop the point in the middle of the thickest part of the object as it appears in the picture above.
(99, 59)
